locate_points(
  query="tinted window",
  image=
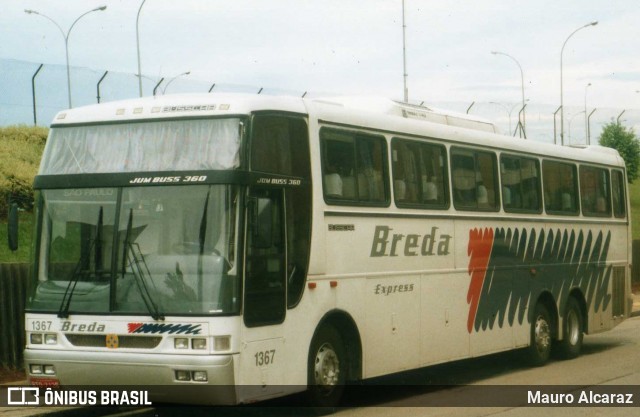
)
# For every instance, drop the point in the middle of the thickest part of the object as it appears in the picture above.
(560, 188)
(617, 189)
(474, 180)
(520, 184)
(595, 197)
(419, 174)
(354, 168)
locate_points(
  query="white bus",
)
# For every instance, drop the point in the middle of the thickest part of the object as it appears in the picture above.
(260, 246)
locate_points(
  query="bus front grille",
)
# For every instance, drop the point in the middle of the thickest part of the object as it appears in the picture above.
(100, 340)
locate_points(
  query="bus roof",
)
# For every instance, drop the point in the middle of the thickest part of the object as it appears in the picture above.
(390, 116)
(368, 112)
(177, 105)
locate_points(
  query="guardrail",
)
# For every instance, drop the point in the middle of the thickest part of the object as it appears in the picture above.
(13, 289)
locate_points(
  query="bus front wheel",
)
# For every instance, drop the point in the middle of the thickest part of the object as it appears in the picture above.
(540, 347)
(572, 330)
(327, 368)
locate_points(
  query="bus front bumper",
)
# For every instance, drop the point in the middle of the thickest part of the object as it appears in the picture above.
(167, 378)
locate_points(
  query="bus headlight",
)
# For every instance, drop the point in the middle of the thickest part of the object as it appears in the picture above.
(181, 343)
(199, 343)
(49, 370)
(221, 343)
(50, 339)
(200, 376)
(36, 338)
(183, 376)
(36, 369)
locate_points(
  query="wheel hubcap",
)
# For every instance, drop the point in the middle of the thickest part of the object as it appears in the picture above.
(326, 366)
(542, 335)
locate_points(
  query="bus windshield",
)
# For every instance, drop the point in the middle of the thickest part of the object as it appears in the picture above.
(141, 250)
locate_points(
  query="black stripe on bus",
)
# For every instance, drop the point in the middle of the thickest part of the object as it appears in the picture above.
(155, 178)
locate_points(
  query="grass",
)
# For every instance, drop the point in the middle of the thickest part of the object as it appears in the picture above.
(24, 240)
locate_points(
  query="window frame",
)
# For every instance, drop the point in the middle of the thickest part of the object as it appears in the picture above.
(475, 151)
(356, 136)
(445, 176)
(576, 188)
(623, 194)
(607, 214)
(539, 187)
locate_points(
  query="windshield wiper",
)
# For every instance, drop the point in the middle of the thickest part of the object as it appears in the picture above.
(201, 239)
(63, 312)
(139, 269)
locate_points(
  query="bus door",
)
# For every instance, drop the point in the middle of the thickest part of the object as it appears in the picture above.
(262, 369)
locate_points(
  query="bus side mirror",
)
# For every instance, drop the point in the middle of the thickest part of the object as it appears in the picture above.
(12, 226)
(261, 222)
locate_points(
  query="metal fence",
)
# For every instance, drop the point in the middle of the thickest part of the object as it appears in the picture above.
(13, 286)
(32, 93)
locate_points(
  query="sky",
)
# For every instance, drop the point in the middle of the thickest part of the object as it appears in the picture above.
(336, 47)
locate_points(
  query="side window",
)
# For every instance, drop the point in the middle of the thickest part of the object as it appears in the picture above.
(354, 168)
(271, 145)
(618, 191)
(419, 174)
(560, 186)
(520, 184)
(595, 197)
(474, 178)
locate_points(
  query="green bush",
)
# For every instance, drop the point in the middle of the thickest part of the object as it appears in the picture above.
(20, 152)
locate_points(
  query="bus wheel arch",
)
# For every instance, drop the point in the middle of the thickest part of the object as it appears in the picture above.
(334, 358)
(573, 325)
(348, 330)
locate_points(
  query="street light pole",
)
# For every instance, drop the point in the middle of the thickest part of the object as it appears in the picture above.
(66, 40)
(524, 125)
(561, 92)
(589, 126)
(138, 47)
(586, 121)
(404, 56)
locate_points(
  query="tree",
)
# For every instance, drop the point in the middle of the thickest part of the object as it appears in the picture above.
(624, 140)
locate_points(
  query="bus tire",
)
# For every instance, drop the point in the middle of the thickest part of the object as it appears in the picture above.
(540, 336)
(327, 368)
(572, 330)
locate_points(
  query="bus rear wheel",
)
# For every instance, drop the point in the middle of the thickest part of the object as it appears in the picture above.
(572, 330)
(327, 368)
(540, 347)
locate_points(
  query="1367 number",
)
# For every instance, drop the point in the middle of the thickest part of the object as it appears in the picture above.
(265, 358)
